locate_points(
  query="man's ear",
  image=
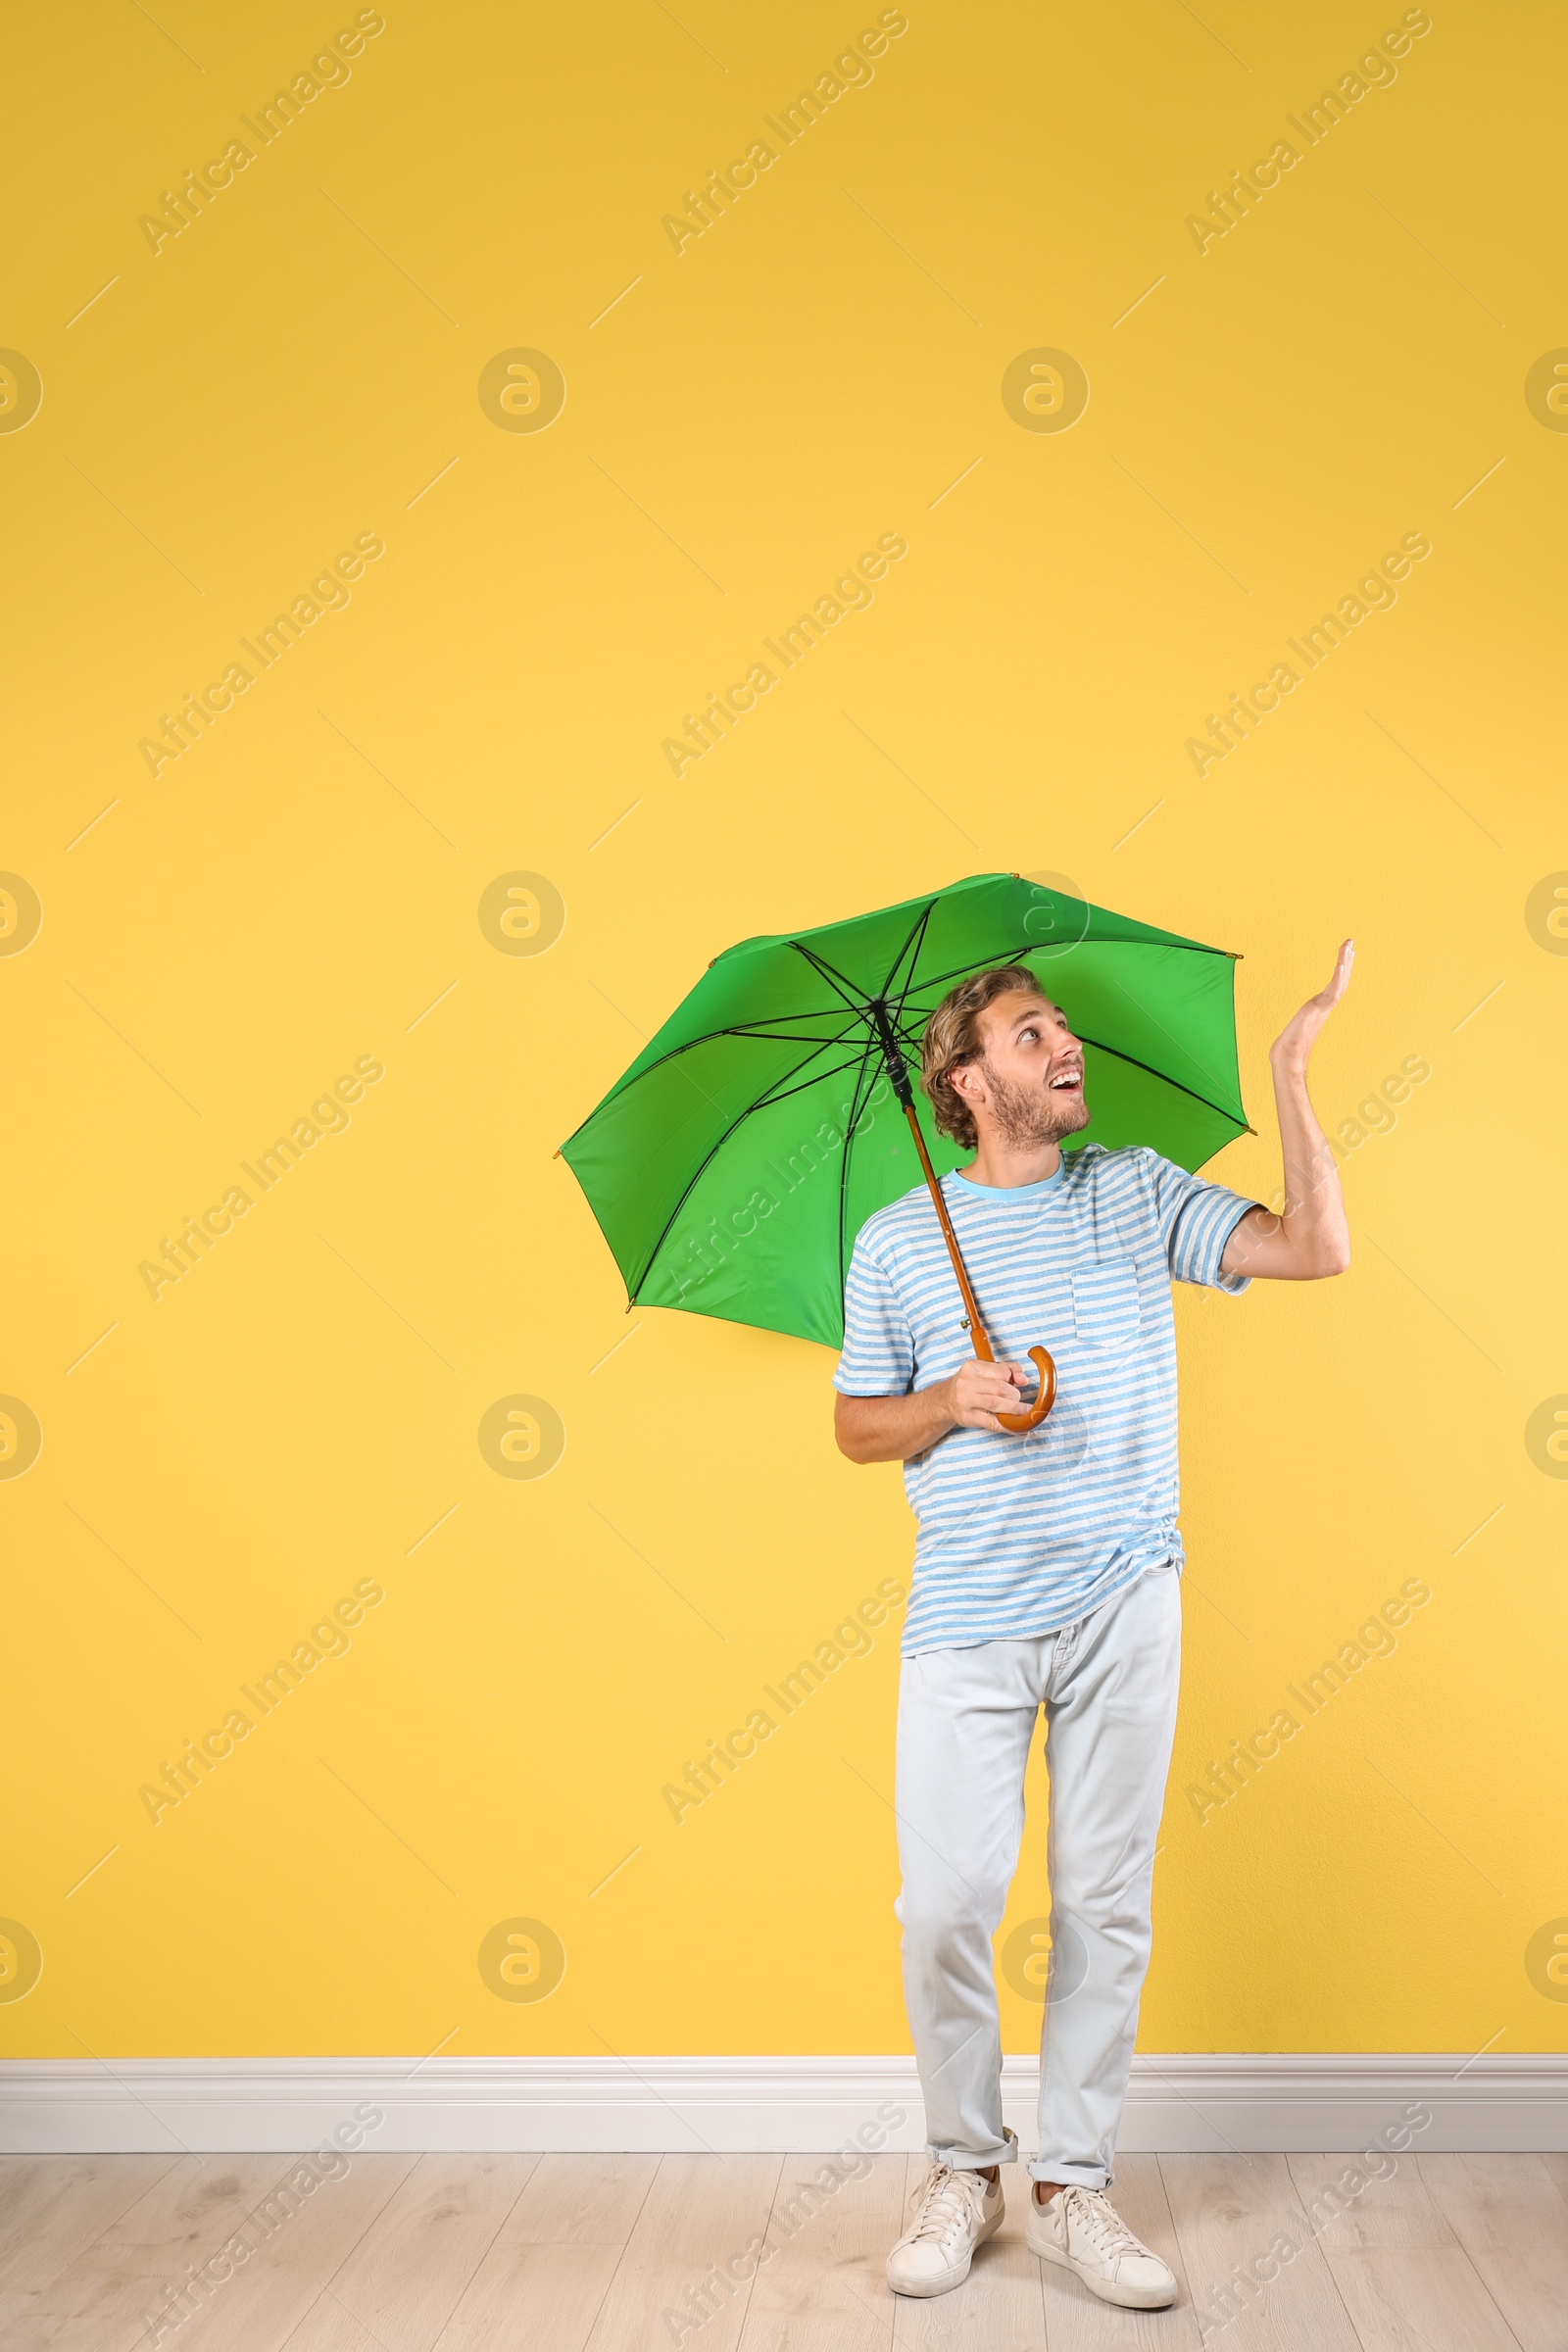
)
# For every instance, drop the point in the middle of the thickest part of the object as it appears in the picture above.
(966, 1082)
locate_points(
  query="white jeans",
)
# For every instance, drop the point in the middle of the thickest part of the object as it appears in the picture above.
(966, 1720)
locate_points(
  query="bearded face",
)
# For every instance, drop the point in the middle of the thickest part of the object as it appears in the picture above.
(1039, 1111)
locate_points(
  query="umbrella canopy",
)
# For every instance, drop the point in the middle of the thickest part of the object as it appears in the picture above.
(732, 1165)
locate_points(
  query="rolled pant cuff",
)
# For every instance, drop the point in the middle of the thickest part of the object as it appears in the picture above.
(964, 2160)
(1070, 2175)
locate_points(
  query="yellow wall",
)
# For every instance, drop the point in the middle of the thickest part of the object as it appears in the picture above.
(297, 1418)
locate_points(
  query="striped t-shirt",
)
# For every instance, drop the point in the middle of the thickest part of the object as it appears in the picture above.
(1023, 1535)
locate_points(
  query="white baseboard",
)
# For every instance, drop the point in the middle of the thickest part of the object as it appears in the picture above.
(1294, 2101)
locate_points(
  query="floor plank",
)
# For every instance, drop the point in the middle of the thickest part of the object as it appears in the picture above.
(145, 2242)
(1557, 2170)
(1419, 2299)
(185, 2216)
(111, 2297)
(43, 2193)
(53, 2209)
(259, 2306)
(1508, 2215)
(701, 2214)
(529, 2298)
(823, 2287)
(408, 2273)
(1405, 2281)
(1393, 2212)
(580, 2201)
(1239, 2219)
(548, 2272)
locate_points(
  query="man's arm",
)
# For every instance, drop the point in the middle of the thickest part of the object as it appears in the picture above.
(895, 1429)
(1312, 1238)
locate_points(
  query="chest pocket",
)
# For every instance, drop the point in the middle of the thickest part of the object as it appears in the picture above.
(1104, 1305)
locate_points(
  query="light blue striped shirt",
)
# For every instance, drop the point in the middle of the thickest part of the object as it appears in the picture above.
(1023, 1535)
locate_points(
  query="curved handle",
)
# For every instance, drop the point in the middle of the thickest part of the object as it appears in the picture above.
(1018, 1423)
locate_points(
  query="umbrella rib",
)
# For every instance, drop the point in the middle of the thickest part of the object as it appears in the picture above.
(849, 1131)
(692, 1183)
(913, 939)
(1169, 1032)
(785, 1037)
(706, 1036)
(1165, 1077)
(835, 979)
(1193, 947)
(765, 1102)
(765, 1098)
(1188, 947)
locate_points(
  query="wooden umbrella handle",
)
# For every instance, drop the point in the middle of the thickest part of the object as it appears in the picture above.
(1032, 1416)
(1034, 1413)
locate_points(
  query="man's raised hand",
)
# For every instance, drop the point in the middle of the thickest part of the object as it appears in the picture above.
(1299, 1034)
(1311, 1238)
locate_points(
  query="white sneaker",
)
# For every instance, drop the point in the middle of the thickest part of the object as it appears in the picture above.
(1082, 2230)
(957, 2212)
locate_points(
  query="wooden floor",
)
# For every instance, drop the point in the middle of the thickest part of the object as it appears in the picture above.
(610, 2254)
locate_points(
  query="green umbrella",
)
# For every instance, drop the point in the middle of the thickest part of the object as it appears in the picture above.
(732, 1165)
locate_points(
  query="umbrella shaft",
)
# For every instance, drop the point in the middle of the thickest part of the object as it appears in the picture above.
(978, 1330)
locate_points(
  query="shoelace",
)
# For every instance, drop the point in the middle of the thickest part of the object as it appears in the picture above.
(946, 2201)
(1100, 2221)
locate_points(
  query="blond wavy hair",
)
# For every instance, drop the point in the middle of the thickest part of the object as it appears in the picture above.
(953, 1037)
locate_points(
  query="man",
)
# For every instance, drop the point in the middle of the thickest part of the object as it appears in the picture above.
(1046, 1576)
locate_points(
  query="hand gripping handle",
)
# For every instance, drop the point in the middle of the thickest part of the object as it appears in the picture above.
(1034, 1413)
